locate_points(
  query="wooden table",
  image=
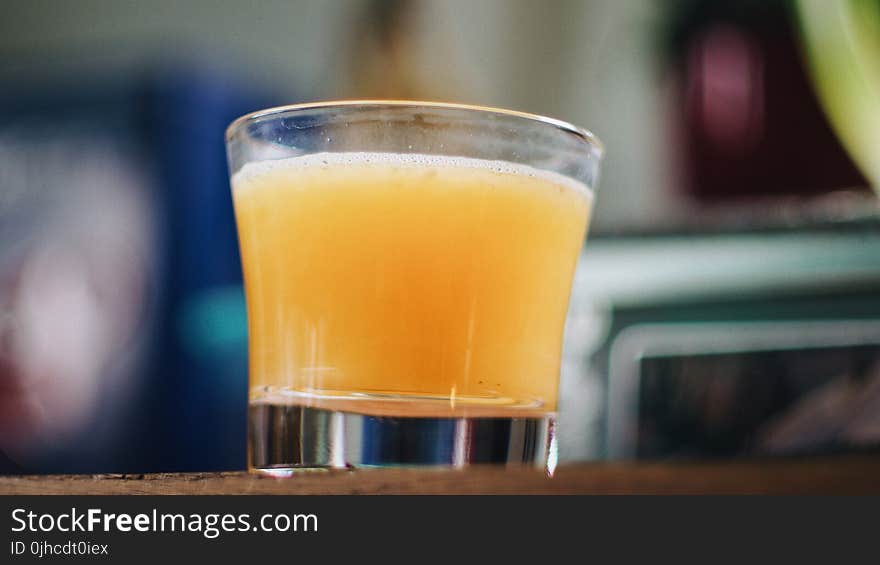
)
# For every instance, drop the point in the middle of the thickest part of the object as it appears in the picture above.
(835, 475)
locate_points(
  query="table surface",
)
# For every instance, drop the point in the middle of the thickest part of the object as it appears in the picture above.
(829, 475)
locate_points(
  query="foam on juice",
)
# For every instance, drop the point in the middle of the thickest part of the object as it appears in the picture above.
(400, 160)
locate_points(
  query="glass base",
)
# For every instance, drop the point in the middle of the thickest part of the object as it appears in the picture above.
(286, 439)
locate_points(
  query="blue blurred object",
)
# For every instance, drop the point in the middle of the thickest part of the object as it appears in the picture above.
(186, 407)
(202, 362)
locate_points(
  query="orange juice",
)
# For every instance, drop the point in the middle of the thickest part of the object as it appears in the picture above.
(401, 285)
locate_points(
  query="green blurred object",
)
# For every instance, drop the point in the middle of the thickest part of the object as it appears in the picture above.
(842, 40)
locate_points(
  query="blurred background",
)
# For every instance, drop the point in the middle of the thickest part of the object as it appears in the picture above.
(727, 305)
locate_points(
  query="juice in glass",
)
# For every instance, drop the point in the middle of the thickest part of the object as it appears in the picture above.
(406, 285)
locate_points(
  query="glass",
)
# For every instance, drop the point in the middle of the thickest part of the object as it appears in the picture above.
(407, 269)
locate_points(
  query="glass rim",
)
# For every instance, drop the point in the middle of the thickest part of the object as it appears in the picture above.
(593, 141)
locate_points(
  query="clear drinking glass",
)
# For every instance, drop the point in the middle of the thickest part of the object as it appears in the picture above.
(407, 268)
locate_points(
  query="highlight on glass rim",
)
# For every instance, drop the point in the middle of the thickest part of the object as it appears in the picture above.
(439, 247)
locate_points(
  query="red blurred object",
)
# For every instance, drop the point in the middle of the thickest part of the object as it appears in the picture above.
(749, 121)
